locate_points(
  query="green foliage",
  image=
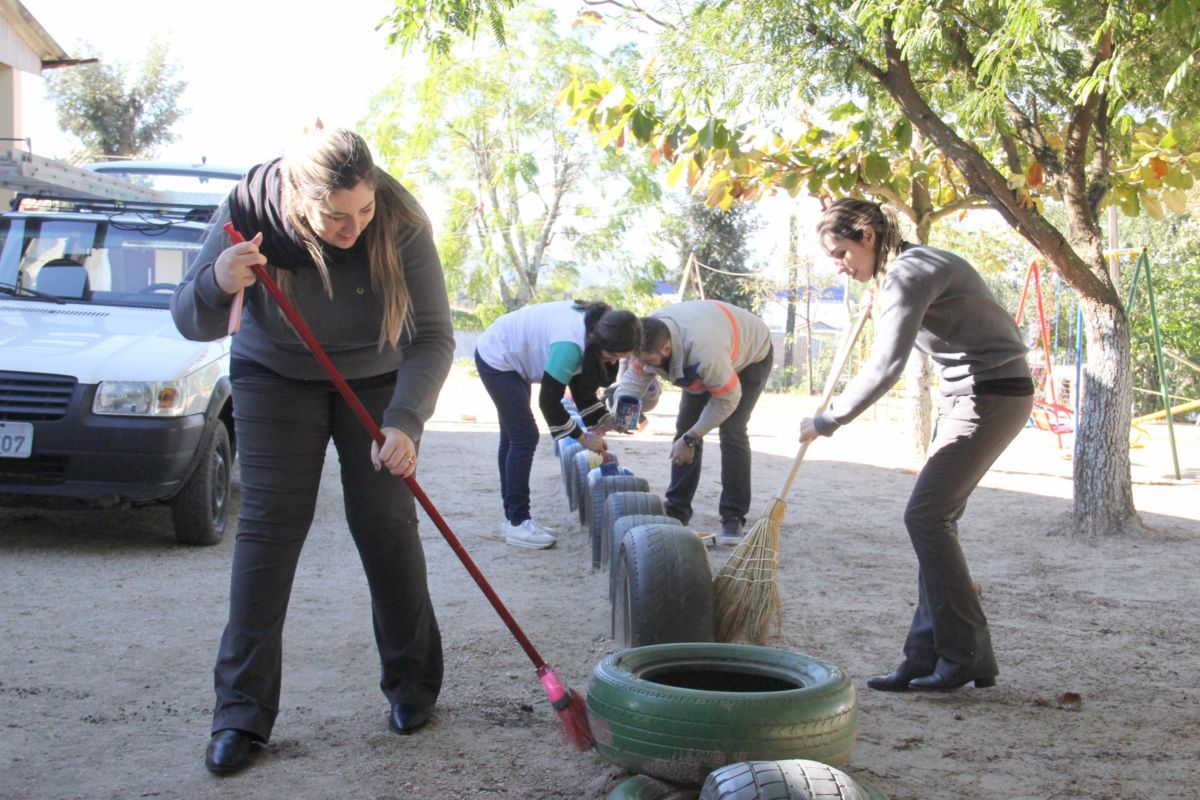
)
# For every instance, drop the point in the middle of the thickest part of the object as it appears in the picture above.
(720, 240)
(114, 114)
(436, 23)
(531, 200)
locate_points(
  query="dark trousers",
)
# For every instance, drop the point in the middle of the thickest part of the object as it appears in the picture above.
(735, 449)
(949, 627)
(518, 436)
(283, 428)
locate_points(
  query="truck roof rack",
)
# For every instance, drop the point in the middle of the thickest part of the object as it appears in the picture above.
(172, 211)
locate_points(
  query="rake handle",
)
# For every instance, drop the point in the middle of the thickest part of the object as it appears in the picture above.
(835, 372)
(373, 429)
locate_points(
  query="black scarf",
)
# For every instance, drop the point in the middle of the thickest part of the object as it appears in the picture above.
(255, 205)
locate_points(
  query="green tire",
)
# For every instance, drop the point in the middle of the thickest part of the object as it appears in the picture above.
(652, 710)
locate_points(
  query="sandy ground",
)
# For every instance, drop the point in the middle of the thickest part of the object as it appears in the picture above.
(109, 632)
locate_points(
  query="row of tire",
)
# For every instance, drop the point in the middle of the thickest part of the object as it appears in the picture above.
(660, 581)
(649, 714)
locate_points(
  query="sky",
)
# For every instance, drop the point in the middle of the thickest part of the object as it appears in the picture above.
(257, 71)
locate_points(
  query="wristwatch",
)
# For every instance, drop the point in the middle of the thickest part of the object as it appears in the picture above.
(691, 441)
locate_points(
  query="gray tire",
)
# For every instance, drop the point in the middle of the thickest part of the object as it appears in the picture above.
(200, 511)
(601, 487)
(677, 712)
(621, 526)
(643, 787)
(617, 505)
(581, 467)
(791, 779)
(567, 449)
(664, 587)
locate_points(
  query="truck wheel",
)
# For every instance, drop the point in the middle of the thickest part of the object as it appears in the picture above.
(624, 504)
(664, 588)
(791, 779)
(201, 509)
(679, 711)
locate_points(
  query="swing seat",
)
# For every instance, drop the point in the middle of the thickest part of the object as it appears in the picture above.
(1052, 417)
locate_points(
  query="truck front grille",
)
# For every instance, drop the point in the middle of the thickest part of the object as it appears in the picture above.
(29, 397)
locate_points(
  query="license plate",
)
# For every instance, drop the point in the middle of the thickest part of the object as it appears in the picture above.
(16, 439)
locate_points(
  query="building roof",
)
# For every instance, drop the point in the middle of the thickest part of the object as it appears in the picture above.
(24, 43)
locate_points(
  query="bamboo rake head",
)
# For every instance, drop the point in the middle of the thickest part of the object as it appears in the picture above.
(746, 592)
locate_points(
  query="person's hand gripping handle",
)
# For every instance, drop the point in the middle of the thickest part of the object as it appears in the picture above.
(234, 271)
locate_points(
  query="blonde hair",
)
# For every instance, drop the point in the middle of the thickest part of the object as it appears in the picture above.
(329, 160)
(849, 217)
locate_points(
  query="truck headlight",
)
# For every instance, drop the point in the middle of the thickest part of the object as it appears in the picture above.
(174, 398)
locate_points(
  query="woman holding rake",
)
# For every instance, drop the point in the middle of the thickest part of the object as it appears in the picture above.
(933, 300)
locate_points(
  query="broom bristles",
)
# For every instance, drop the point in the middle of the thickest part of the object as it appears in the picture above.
(574, 721)
(746, 603)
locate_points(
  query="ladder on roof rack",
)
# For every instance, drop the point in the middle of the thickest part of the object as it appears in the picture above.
(151, 211)
(46, 177)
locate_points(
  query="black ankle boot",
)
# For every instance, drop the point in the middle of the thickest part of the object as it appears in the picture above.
(228, 751)
(898, 680)
(949, 677)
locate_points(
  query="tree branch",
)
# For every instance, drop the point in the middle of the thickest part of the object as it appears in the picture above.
(631, 8)
(968, 203)
(890, 195)
(1081, 222)
(985, 180)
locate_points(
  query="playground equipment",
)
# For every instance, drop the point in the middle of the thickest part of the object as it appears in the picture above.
(1051, 413)
(1048, 414)
(1143, 264)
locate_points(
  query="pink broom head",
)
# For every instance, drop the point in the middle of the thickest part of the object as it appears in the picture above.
(572, 712)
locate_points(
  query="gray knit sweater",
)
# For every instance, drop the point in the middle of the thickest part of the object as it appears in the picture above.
(936, 301)
(347, 327)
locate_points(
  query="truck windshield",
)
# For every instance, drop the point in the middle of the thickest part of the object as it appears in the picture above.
(120, 260)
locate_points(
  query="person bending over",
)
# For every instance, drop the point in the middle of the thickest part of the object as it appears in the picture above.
(935, 301)
(721, 356)
(559, 345)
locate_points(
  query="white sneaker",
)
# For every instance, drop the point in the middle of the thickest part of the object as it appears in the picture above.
(529, 534)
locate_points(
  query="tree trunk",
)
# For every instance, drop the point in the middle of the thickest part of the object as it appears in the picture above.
(918, 383)
(1103, 487)
(918, 372)
(1103, 479)
(789, 328)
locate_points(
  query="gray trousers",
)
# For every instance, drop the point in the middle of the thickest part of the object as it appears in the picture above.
(734, 502)
(283, 428)
(949, 627)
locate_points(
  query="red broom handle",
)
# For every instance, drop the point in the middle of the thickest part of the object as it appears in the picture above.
(372, 428)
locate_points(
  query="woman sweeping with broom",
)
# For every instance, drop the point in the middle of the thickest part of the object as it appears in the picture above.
(933, 300)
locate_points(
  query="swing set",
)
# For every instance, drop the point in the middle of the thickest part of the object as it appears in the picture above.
(1050, 412)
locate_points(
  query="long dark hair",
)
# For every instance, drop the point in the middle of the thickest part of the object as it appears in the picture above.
(849, 217)
(607, 328)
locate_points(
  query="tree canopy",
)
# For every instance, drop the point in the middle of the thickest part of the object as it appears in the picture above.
(116, 114)
(1017, 103)
(483, 127)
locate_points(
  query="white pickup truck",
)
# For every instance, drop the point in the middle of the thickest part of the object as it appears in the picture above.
(102, 402)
